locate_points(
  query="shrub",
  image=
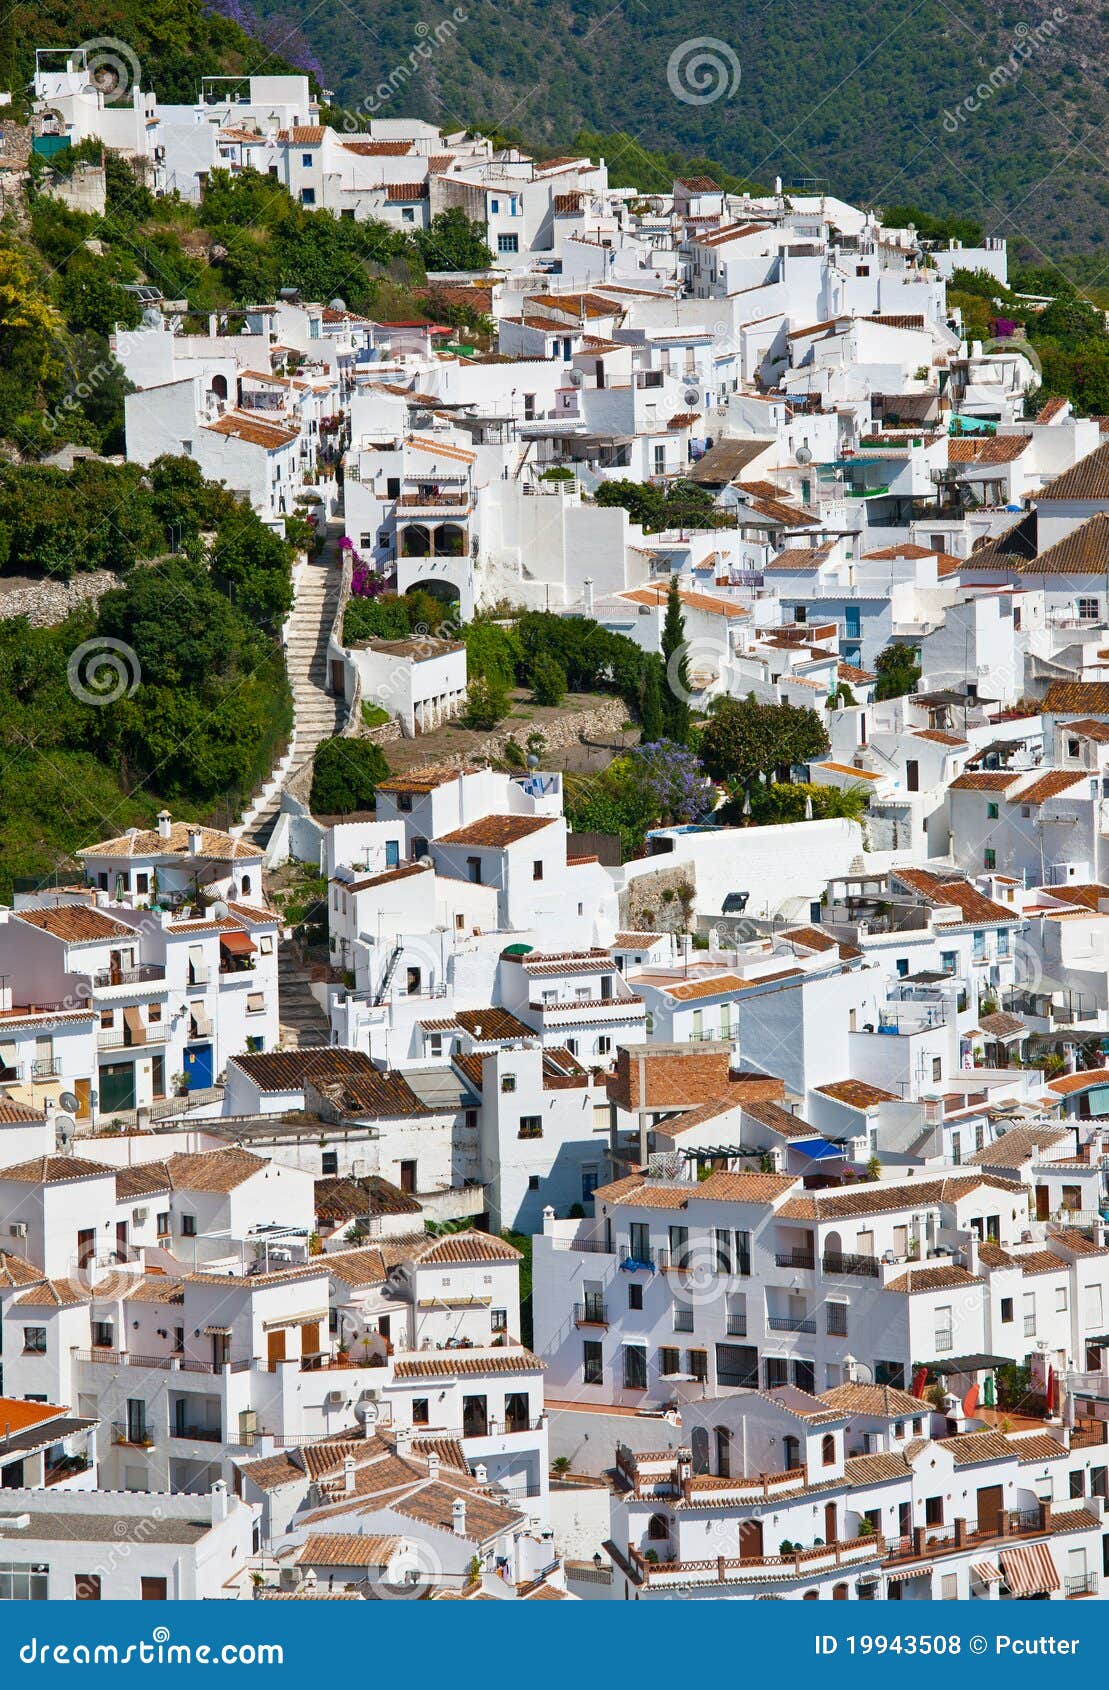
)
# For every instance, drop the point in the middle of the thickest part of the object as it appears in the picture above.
(486, 704)
(548, 681)
(346, 775)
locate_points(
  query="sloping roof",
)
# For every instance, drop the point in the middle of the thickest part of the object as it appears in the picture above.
(495, 832)
(77, 924)
(341, 1199)
(54, 1170)
(988, 449)
(214, 1171)
(1087, 479)
(211, 843)
(347, 1549)
(881, 1401)
(451, 1364)
(1050, 785)
(857, 1094)
(1086, 1078)
(725, 461)
(1030, 1570)
(938, 890)
(291, 1070)
(1062, 697)
(949, 1278)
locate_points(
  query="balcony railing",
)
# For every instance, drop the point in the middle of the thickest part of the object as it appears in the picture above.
(592, 1246)
(197, 1434)
(1080, 1584)
(729, 1570)
(137, 1437)
(121, 1038)
(129, 976)
(945, 1343)
(794, 1259)
(737, 1326)
(790, 1323)
(837, 1261)
(591, 1313)
(45, 1068)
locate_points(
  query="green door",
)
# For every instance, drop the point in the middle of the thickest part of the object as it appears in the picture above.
(117, 1087)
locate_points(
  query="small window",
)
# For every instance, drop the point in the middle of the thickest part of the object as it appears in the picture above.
(34, 1340)
(989, 858)
(308, 196)
(933, 1511)
(537, 870)
(1006, 1311)
(533, 1182)
(828, 1450)
(508, 1082)
(420, 1412)
(265, 944)
(255, 1003)
(498, 1320)
(508, 243)
(635, 1296)
(306, 160)
(991, 812)
(103, 1335)
(329, 1162)
(1074, 748)
(161, 1225)
(188, 1226)
(531, 1126)
(142, 883)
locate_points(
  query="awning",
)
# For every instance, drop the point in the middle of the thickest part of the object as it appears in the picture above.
(1030, 1571)
(9, 1056)
(237, 942)
(947, 1365)
(985, 1572)
(218, 1331)
(297, 1320)
(134, 1023)
(893, 1574)
(818, 1150)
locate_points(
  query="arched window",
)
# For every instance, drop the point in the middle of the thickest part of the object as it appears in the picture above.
(828, 1450)
(658, 1528)
(246, 886)
(811, 1596)
(839, 1593)
(791, 1452)
(219, 387)
(699, 1447)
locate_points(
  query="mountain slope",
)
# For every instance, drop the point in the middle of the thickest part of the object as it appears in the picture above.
(869, 96)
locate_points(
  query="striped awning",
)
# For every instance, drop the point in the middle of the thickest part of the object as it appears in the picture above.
(1030, 1571)
(896, 1573)
(985, 1572)
(312, 1319)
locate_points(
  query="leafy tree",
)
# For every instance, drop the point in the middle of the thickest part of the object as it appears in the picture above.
(452, 242)
(651, 713)
(548, 680)
(743, 740)
(898, 671)
(493, 653)
(486, 703)
(345, 776)
(673, 780)
(1069, 322)
(255, 565)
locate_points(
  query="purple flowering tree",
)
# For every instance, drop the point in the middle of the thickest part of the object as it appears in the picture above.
(674, 780)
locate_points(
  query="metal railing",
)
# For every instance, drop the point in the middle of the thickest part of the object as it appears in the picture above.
(737, 1326)
(129, 976)
(838, 1261)
(794, 1259)
(1080, 1584)
(592, 1312)
(788, 1323)
(197, 1434)
(138, 1437)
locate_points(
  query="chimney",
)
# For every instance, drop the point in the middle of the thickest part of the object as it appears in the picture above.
(348, 1475)
(219, 1501)
(481, 1473)
(404, 1439)
(458, 1517)
(432, 1465)
(971, 1254)
(194, 842)
(548, 1220)
(165, 824)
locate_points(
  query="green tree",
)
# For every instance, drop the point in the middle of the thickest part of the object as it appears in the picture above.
(675, 697)
(743, 740)
(452, 241)
(898, 671)
(651, 715)
(254, 563)
(345, 776)
(486, 703)
(548, 681)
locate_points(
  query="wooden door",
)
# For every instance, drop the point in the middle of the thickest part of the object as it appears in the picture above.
(310, 1339)
(1043, 1203)
(750, 1540)
(831, 1528)
(81, 1089)
(275, 1347)
(990, 1505)
(153, 1590)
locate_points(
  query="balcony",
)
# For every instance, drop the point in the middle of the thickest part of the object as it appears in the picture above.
(592, 1246)
(144, 975)
(122, 1038)
(1080, 1584)
(45, 1068)
(836, 1261)
(593, 1312)
(794, 1259)
(628, 1008)
(133, 1436)
(196, 1434)
(790, 1323)
(737, 1326)
(755, 1568)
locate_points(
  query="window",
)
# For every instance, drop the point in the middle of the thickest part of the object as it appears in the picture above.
(255, 1003)
(1061, 1299)
(188, 1226)
(944, 1330)
(635, 1296)
(533, 1182)
(531, 1126)
(34, 1340)
(86, 1587)
(24, 1582)
(902, 967)
(1029, 1314)
(948, 961)
(162, 1224)
(933, 1511)
(1077, 1483)
(537, 870)
(697, 1364)
(837, 1320)
(1006, 1311)
(1074, 748)
(991, 812)
(152, 1590)
(508, 1082)
(407, 215)
(1088, 610)
(420, 1414)
(142, 883)
(828, 1450)
(635, 1367)
(679, 1246)
(743, 1254)
(306, 160)
(329, 1162)
(989, 858)
(669, 1360)
(103, 1335)
(508, 243)
(307, 197)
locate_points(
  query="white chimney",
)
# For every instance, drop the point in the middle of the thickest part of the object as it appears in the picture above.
(348, 1475)
(481, 1473)
(404, 1439)
(432, 1465)
(165, 824)
(458, 1517)
(219, 1501)
(194, 842)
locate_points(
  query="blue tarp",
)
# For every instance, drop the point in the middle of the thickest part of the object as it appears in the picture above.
(819, 1150)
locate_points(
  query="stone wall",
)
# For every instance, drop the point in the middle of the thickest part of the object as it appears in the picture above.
(660, 901)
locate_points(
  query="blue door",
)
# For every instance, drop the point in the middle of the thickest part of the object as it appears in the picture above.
(198, 1067)
(392, 853)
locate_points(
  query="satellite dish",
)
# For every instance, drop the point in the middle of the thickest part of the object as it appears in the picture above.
(337, 305)
(219, 910)
(423, 419)
(803, 455)
(577, 377)
(70, 1102)
(691, 396)
(151, 317)
(65, 1128)
(533, 761)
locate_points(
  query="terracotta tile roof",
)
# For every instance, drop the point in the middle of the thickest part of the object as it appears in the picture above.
(777, 1119)
(1002, 1025)
(440, 448)
(340, 1199)
(881, 1401)
(378, 149)
(214, 1171)
(983, 780)
(433, 1504)
(346, 1549)
(385, 879)
(148, 842)
(1065, 1084)
(644, 1193)
(17, 1416)
(988, 449)
(938, 891)
(932, 1279)
(1062, 697)
(69, 1293)
(1090, 729)
(1087, 479)
(969, 1448)
(1051, 785)
(427, 779)
(373, 1093)
(692, 600)
(492, 1023)
(1036, 1447)
(874, 1469)
(54, 1170)
(291, 1070)
(761, 1189)
(849, 673)
(467, 1247)
(881, 1197)
(401, 193)
(14, 1271)
(810, 938)
(249, 428)
(495, 832)
(858, 1094)
(937, 737)
(727, 983)
(1040, 1261)
(641, 941)
(699, 184)
(77, 924)
(302, 135)
(463, 1364)
(144, 1179)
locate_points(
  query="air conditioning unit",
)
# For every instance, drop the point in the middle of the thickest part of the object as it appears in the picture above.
(18, 1229)
(139, 1216)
